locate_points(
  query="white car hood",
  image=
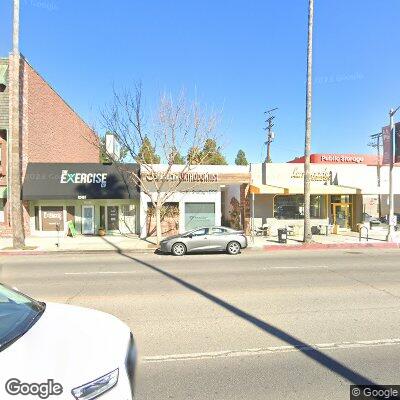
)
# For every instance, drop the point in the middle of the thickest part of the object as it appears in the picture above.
(69, 344)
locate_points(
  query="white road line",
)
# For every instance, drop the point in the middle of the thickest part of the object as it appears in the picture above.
(269, 350)
(299, 267)
(99, 273)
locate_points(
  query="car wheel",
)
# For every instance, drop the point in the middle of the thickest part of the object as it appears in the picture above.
(233, 248)
(178, 249)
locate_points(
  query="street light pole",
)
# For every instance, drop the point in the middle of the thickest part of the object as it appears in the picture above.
(391, 235)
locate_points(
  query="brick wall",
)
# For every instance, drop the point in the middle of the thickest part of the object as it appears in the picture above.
(4, 99)
(55, 133)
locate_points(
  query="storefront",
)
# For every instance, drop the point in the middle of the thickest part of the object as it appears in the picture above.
(90, 196)
(341, 194)
(197, 197)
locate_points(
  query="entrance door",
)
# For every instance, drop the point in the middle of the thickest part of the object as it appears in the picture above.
(88, 220)
(341, 215)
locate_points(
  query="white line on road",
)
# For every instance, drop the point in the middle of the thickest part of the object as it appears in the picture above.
(270, 350)
(99, 273)
(300, 267)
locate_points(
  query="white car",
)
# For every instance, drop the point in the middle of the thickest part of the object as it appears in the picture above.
(55, 351)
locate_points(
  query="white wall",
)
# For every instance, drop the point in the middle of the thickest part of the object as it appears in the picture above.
(205, 196)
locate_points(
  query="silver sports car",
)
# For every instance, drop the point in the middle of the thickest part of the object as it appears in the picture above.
(216, 238)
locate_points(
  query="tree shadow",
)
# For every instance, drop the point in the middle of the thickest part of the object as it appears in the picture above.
(306, 349)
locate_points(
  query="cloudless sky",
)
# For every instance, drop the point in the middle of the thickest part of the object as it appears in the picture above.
(239, 56)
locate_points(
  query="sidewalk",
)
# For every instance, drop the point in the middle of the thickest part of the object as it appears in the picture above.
(377, 239)
(131, 243)
(112, 243)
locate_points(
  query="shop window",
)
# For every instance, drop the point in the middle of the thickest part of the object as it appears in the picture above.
(52, 218)
(292, 206)
(128, 210)
(112, 218)
(37, 223)
(199, 215)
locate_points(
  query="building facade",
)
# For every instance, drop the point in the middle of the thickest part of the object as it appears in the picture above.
(344, 188)
(51, 131)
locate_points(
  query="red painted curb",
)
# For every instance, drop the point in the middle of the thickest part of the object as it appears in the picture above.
(332, 246)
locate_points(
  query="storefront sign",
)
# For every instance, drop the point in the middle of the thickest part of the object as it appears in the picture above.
(84, 177)
(52, 218)
(316, 176)
(342, 158)
(183, 177)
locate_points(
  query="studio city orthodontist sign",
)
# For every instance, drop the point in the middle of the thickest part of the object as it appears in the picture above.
(84, 177)
(183, 177)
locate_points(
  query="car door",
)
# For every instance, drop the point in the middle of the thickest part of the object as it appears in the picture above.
(217, 238)
(198, 240)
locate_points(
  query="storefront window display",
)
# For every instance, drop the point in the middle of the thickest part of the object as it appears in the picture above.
(292, 206)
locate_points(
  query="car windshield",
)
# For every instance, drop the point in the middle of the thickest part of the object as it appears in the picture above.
(17, 314)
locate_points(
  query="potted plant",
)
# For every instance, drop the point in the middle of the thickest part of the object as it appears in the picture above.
(102, 231)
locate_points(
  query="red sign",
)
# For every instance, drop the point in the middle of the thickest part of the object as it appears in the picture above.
(367, 159)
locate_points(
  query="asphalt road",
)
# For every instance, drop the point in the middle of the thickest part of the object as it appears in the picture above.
(285, 325)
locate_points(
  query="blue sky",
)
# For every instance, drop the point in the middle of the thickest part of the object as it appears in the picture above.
(239, 56)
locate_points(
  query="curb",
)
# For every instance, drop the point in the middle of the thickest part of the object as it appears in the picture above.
(332, 246)
(63, 252)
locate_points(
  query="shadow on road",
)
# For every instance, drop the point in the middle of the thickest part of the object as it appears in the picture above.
(306, 349)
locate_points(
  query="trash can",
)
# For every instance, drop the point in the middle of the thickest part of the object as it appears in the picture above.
(282, 235)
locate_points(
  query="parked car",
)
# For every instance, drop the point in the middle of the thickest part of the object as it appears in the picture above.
(62, 351)
(216, 238)
(372, 220)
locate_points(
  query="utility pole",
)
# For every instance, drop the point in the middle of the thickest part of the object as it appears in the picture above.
(270, 134)
(17, 221)
(307, 237)
(391, 235)
(376, 143)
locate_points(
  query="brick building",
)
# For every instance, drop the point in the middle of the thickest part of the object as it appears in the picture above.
(51, 131)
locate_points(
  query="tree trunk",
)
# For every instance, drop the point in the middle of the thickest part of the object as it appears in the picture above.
(158, 223)
(307, 143)
(17, 220)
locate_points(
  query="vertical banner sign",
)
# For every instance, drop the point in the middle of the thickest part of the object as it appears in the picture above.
(397, 143)
(387, 145)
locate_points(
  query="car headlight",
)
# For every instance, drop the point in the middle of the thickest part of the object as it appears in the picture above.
(97, 387)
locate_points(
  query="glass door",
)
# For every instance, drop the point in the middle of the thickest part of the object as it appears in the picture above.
(88, 220)
(342, 215)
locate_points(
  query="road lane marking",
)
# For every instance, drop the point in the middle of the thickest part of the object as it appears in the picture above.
(99, 273)
(301, 267)
(270, 350)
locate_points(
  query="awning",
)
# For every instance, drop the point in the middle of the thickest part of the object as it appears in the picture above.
(315, 189)
(266, 189)
(46, 181)
(323, 189)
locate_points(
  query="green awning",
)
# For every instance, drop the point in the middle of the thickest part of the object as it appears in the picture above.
(3, 192)
(3, 74)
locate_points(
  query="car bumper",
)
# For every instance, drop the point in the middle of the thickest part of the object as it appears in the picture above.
(165, 247)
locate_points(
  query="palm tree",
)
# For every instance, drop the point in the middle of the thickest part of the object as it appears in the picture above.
(17, 221)
(307, 142)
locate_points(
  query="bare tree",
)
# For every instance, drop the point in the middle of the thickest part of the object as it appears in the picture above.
(17, 221)
(307, 143)
(176, 126)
